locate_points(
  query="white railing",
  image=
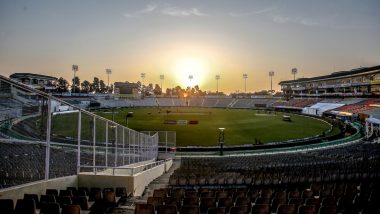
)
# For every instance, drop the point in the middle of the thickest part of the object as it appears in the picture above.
(123, 170)
(79, 137)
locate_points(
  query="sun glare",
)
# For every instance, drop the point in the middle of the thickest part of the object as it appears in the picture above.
(190, 71)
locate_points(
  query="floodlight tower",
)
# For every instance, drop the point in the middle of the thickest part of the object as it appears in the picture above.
(142, 75)
(75, 68)
(162, 77)
(271, 74)
(294, 72)
(108, 72)
(190, 78)
(217, 78)
(245, 76)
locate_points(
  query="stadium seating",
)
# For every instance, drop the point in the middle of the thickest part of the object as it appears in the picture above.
(297, 103)
(360, 106)
(223, 102)
(67, 202)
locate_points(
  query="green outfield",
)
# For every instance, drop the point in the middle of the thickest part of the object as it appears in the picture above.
(241, 126)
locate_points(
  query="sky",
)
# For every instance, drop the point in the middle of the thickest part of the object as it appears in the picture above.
(182, 38)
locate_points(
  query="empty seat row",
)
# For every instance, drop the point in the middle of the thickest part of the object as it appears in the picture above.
(28, 206)
(255, 209)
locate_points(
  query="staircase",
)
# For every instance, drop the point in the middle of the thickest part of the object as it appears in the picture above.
(162, 181)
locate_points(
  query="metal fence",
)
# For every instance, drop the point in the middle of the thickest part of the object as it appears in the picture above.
(43, 137)
(166, 139)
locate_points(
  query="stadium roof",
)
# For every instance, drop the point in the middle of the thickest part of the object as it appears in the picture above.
(334, 75)
(31, 75)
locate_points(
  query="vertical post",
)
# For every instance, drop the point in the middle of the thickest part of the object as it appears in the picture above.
(147, 137)
(139, 146)
(271, 84)
(156, 147)
(106, 143)
(93, 142)
(134, 146)
(151, 146)
(115, 165)
(129, 146)
(79, 139)
(221, 140)
(146, 147)
(123, 146)
(48, 130)
(166, 142)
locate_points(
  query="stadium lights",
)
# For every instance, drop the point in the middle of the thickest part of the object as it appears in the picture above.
(245, 76)
(217, 77)
(271, 74)
(190, 78)
(108, 72)
(162, 77)
(75, 68)
(142, 78)
(294, 72)
(142, 82)
(221, 140)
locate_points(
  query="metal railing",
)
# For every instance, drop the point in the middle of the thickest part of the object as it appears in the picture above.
(68, 137)
(124, 170)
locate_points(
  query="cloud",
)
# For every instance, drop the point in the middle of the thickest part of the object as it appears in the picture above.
(148, 9)
(297, 20)
(167, 10)
(251, 13)
(174, 11)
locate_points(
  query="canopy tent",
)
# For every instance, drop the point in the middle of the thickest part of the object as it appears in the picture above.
(372, 127)
(373, 120)
(318, 108)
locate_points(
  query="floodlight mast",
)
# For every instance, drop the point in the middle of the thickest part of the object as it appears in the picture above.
(294, 72)
(75, 68)
(190, 78)
(162, 77)
(245, 76)
(217, 78)
(142, 82)
(108, 72)
(271, 74)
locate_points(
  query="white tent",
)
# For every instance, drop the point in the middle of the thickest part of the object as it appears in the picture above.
(318, 108)
(373, 120)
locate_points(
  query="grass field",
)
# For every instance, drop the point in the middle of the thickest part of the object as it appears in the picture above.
(242, 126)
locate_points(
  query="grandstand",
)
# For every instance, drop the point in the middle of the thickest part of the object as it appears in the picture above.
(357, 82)
(118, 169)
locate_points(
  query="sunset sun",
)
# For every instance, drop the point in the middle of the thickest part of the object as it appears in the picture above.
(190, 71)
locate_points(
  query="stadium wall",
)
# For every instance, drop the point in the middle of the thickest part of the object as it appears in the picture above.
(134, 184)
(38, 187)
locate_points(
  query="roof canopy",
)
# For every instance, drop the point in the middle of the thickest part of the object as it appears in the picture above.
(373, 120)
(333, 75)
